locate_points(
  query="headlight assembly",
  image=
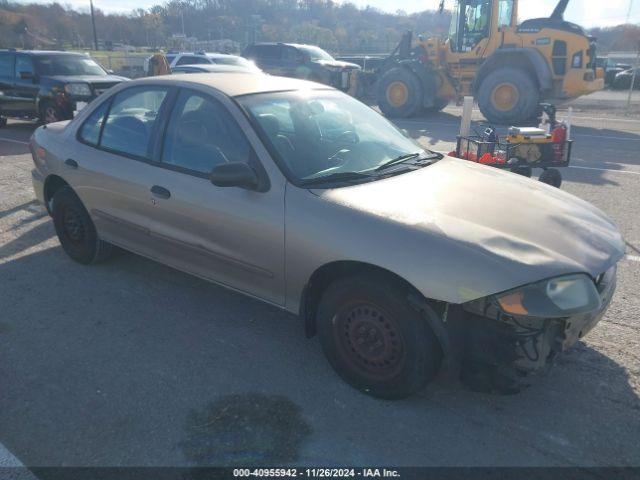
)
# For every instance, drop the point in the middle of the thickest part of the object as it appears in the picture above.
(555, 298)
(78, 89)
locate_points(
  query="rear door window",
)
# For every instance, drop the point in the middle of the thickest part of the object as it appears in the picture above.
(24, 65)
(267, 52)
(131, 121)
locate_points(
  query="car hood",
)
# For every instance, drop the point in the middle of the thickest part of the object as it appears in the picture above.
(337, 64)
(92, 79)
(521, 229)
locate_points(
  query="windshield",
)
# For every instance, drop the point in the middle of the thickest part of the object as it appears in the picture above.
(318, 134)
(316, 53)
(68, 65)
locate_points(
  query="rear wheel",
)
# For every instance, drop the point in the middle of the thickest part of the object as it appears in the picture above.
(399, 93)
(374, 340)
(75, 229)
(439, 104)
(508, 96)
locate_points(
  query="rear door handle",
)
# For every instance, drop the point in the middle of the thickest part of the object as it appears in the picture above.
(160, 192)
(71, 163)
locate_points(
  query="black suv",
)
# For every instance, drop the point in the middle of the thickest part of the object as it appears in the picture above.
(303, 61)
(49, 86)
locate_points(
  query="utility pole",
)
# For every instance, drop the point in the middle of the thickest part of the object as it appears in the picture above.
(636, 66)
(633, 80)
(93, 23)
(182, 17)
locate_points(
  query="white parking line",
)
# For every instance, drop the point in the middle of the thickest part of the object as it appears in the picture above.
(11, 140)
(633, 258)
(605, 170)
(12, 468)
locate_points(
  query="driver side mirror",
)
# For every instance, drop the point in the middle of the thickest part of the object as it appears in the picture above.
(235, 174)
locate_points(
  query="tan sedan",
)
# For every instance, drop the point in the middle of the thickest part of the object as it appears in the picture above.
(400, 259)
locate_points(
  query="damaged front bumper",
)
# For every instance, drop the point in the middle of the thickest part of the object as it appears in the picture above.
(521, 345)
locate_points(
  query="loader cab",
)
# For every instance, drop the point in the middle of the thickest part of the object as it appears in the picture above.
(475, 20)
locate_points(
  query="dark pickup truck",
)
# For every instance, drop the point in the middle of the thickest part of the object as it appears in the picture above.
(303, 61)
(49, 86)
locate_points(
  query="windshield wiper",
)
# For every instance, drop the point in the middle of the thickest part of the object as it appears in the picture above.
(336, 177)
(406, 158)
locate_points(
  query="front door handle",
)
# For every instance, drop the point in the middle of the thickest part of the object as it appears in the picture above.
(160, 192)
(69, 162)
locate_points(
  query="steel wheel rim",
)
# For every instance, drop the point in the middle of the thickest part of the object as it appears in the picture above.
(397, 94)
(50, 115)
(370, 340)
(505, 96)
(73, 227)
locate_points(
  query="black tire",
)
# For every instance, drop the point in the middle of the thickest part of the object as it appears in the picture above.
(402, 105)
(75, 229)
(522, 96)
(524, 170)
(50, 113)
(552, 177)
(439, 104)
(374, 340)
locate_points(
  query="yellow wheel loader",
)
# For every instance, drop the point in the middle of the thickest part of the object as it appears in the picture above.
(508, 68)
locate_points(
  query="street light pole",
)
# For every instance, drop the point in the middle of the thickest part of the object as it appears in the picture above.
(93, 23)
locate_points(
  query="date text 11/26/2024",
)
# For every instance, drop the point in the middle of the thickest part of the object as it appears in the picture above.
(316, 473)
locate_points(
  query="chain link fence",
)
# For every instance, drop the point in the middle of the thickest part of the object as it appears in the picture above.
(127, 65)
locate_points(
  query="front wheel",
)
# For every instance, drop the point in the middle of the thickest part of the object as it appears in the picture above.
(50, 113)
(75, 229)
(551, 177)
(374, 340)
(399, 93)
(508, 96)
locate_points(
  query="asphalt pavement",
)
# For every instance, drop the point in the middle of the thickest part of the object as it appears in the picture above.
(132, 363)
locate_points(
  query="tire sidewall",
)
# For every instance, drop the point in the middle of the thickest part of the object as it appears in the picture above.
(526, 105)
(422, 351)
(85, 252)
(414, 90)
(43, 112)
(551, 177)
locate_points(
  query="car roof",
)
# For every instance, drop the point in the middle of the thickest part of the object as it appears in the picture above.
(237, 84)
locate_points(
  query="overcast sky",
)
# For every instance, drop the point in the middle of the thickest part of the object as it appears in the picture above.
(588, 13)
